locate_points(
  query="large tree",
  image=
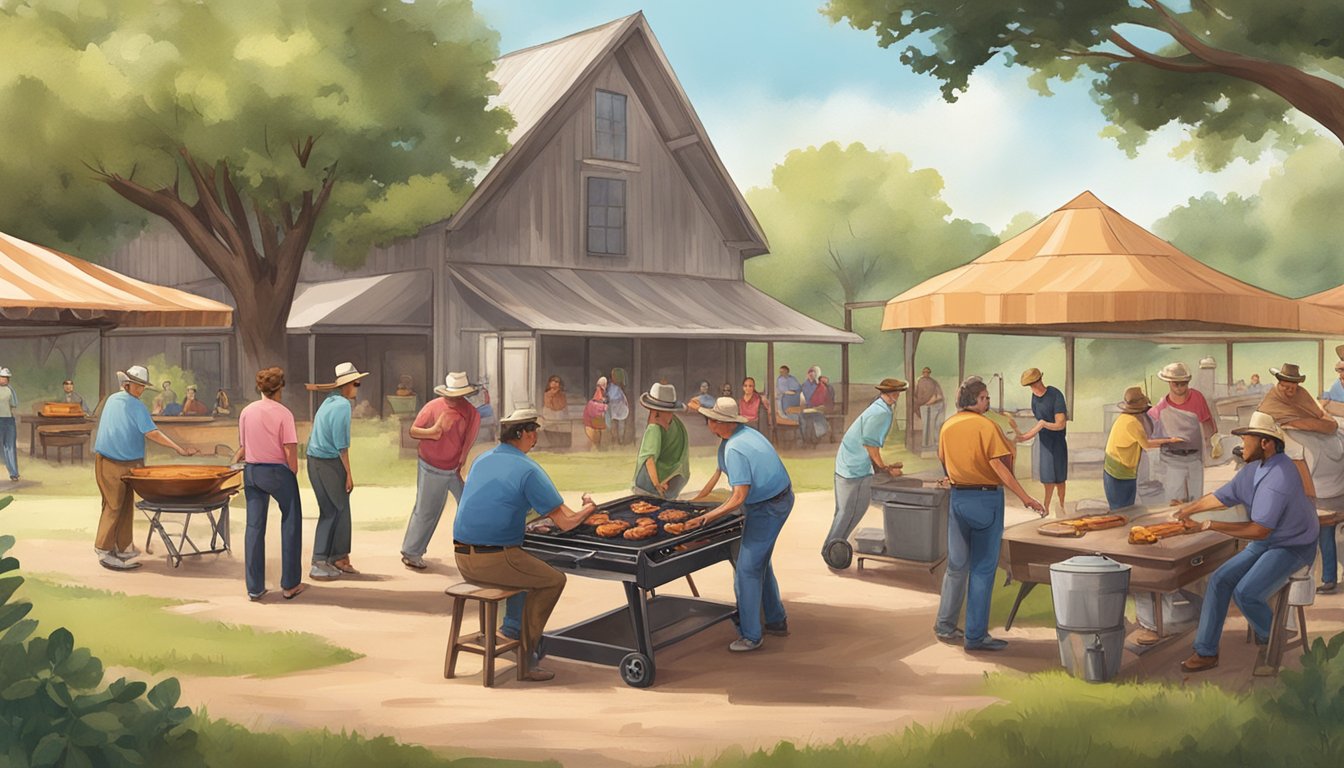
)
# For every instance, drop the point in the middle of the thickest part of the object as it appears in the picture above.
(260, 130)
(1229, 69)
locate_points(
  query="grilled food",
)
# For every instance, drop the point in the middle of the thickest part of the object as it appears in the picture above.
(673, 515)
(643, 507)
(642, 532)
(1151, 534)
(674, 528)
(612, 529)
(643, 521)
(597, 518)
(1095, 522)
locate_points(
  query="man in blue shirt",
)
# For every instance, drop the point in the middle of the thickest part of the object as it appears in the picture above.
(329, 472)
(1282, 531)
(859, 455)
(502, 487)
(119, 447)
(761, 486)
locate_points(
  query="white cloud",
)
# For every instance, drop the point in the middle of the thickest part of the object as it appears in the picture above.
(1001, 149)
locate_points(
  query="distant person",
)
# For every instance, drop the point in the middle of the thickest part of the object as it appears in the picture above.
(1051, 412)
(168, 395)
(1125, 445)
(929, 406)
(702, 398)
(1255, 387)
(1332, 399)
(618, 406)
(817, 395)
(856, 462)
(726, 390)
(555, 412)
(444, 431)
(192, 406)
(595, 415)
(751, 405)
(788, 392)
(9, 425)
(69, 395)
(663, 464)
(329, 473)
(1184, 413)
(222, 405)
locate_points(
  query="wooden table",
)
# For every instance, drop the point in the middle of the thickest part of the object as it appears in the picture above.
(34, 421)
(1160, 568)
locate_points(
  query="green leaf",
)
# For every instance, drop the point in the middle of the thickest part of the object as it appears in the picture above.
(48, 750)
(165, 694)
(8, 564)
(5, 502)
(11, 613)
(127, 691)
(75, 662)
(7, 540)
(76, 757)
(59, 646)
(21, 689)
(8, 586)
(59, 692)
(19, 632)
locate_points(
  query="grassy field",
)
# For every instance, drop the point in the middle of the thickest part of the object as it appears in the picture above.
(164, 641)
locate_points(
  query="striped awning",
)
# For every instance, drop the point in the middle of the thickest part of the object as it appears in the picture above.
(39, 286)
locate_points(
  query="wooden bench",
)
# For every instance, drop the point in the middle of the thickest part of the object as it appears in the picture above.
(483, 643)
(73, 437)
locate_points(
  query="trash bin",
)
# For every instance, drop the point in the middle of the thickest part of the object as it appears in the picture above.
(915, 523)
(1089, 595)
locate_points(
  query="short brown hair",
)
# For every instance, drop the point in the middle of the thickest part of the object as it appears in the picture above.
(270, 380)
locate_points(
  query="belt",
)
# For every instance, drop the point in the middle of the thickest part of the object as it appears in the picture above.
(473, 549)
(781, 494)
(1180, 451)
(959, 487)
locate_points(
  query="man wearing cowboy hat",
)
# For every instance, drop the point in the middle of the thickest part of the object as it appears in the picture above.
(761, 486)
(1183, 412)
(1332, 399)
(9, 425)
(859, 456)
(1282, 531)
(505, 484)
(445, 430)
(1124, 448)
(118, 448)
(663, 465)
(330, 475)
(1052, 419)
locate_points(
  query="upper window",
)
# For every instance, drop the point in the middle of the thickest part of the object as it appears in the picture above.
(606, 216)
(609, 139)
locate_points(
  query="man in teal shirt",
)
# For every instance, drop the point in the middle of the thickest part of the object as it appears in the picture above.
(663, 465)
(329, 473)
(859, 455)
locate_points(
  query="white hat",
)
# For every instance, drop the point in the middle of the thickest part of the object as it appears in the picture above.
(1262, 424)
(1174, 372)
(521, 416)
(1207, 362)
(345, 373)
(4, 372)
(136, 374)
(661, 397)
(725, 409)
(455, 384)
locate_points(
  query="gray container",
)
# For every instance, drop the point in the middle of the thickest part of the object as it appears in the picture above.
(916, 524)
(1093, 656)
(871, 541)
(1089, 593)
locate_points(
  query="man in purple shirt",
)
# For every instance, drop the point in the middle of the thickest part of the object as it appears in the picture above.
(1282, 531)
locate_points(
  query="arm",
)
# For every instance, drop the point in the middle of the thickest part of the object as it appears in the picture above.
(734, 501)
(345, 462)
(1322, 426)
(1252, 531)
(1000, 466)
(1206, 503)
(875, 456)
(237, 455)
(162, 439)
(292, 457)
(567, 519)
(433, 432)
(709, 486)
(653, 474)
(1148, 445)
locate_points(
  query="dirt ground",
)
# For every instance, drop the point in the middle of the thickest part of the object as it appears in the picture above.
(861, 659)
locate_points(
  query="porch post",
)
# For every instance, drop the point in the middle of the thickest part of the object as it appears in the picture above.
(961, 357)
(769, 388)
(911, 342)
(1068, 375)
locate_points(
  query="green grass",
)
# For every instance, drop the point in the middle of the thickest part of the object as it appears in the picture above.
(137, 631)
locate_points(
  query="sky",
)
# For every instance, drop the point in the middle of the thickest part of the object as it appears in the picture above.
(770, 76)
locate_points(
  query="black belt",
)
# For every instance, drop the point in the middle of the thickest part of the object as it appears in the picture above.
(1181, 451)
(780, 495)
(959, 487)
(475, 549)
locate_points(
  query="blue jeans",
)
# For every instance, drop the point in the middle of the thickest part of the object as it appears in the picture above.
(261, 483)
(1329, 557)
(1250, 577)
(432, 486)
(974, 531)
(753, 578)
(9, 444)
(1119, 493)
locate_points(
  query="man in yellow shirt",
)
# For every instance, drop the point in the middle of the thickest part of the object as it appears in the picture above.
(975, 455)
(1124, 448)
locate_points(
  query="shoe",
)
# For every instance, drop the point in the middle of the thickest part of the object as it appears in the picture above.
(129, 554)
(777, 628)
(324, 572)
(114, 563)
(742, 645)
(13, 478)
(538, 675)
(1197, 663)
(1327, 587)
(988, 644)
(955, 637)
(295, 591)
(343, 565)
(1147, 637)
(414, 562)
(256, 596)
(507, 635)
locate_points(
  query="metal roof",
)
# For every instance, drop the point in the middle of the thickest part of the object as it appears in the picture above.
(396, 302)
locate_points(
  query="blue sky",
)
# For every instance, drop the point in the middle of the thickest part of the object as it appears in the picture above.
(768, 76)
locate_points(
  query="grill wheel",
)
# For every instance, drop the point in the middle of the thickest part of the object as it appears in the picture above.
(637, 670)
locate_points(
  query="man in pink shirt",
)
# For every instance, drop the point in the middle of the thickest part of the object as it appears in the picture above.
(446, 428)
(1183, 413)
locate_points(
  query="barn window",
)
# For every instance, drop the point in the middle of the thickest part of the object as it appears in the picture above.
(606, 216)
(609, 139)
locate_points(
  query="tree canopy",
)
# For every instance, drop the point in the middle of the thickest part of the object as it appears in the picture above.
(259, 129)
(1231, 70)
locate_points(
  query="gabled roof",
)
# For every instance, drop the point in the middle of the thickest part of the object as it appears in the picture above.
(1086, 267)
(395, 302)
(535, 84)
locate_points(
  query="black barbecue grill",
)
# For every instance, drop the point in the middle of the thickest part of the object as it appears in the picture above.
(627, 637)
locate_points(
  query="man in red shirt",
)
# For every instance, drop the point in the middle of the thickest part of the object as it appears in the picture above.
(1183, 413)
(446, 428)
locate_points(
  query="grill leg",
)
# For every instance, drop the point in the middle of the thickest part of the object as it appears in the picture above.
(691, 583)
(639, 616)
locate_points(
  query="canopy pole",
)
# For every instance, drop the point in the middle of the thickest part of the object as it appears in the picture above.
(769, 388)
(961, 357)
(911, 342)
(104, 365)
(1068, 374)
(1320, 365)
(312, 372)
(844, 363)
(1229, 368)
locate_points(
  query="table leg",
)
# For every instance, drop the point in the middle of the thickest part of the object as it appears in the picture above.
(1157, 613)
(32, 439)
(1022, 593)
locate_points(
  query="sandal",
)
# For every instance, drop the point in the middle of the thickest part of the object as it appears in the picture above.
(343, 565)
(290, 594)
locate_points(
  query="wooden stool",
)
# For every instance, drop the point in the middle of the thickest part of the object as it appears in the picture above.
(483, 643)
(1298, 593)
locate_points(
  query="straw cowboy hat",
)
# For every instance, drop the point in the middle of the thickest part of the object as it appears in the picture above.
(1288, 372)
(4, 372)
(455, 384)
(1339, 352)
(661, 397)
(891, 385)
(521, 416)
(1031, 376)
(1174, 372)
(1262, 424)
(136, 374)
(1207, 362)
(1135, 401)
(725, 409)
(345, 373)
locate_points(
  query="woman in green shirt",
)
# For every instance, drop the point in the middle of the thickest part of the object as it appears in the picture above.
(663, 465)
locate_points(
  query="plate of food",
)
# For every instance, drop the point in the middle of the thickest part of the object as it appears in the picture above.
(1079, 526)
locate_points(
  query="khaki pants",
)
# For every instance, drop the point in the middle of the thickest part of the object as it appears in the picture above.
(115, 526)
(516, 569)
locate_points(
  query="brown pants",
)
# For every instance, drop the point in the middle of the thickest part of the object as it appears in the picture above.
(514, 568)
(114, 527)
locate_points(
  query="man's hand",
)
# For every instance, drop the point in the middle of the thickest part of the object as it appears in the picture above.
(894, 470)
(693, 523)
(349, 483)
(587, 499)
(662, 487)
(945, 483)
(1035, 505)
(1021, 438)
(187, 451)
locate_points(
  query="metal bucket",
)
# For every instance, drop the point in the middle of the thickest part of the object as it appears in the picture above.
(1089, 593)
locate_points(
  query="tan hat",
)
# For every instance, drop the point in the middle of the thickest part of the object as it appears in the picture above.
(1339, 351)
(1339, 366)
(345, 373)
(891, 385)
(521, 416)
(136, 374)
(455, 384)
(661, 397)
(1288, 372)
(1174, 372)
(1207, 362)
(1031, 376)
(1135, 401)
(725, 409)
(1262, 424)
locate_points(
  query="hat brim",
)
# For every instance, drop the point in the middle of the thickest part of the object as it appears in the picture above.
(1258, 433)
(1276, 373)
(1127, 408)
(1176, 379)
(710, 413)
(137, 380)
(341, 381)
(443, 391)
(540, 427)
(1028, 382)
(890, 389)
(659, 405)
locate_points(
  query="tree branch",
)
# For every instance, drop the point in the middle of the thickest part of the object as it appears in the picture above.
(206, 194)
(1169, 63)
(237, 211)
